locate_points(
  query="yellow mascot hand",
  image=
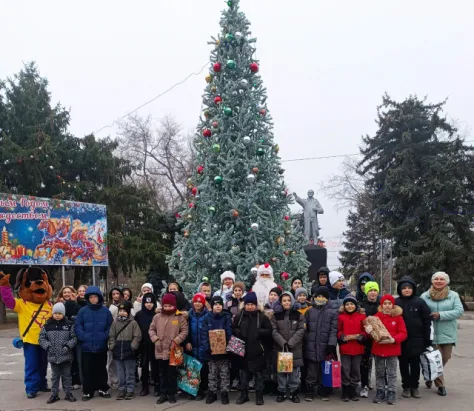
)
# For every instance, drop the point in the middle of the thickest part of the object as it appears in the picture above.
(4, 279)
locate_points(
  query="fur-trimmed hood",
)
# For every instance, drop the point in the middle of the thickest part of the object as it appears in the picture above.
(396, 311)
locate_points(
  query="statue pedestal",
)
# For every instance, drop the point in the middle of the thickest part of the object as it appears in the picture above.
(318, 257)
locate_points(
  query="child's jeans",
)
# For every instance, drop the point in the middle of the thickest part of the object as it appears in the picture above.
(126, 374)
(288, 380)
(61, 372)
(386, 367)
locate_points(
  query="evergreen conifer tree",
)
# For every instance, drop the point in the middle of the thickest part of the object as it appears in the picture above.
(238, 214)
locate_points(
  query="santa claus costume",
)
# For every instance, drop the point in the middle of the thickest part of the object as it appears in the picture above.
(264, 283)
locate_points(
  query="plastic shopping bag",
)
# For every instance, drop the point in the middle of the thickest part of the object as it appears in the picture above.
(189, 375)
(431, 364)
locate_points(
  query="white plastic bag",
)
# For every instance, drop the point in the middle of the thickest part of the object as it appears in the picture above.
(431, 364)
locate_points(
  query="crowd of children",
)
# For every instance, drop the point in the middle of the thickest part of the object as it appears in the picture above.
(311, 326)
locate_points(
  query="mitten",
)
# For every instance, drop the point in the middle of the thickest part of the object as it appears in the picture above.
(361, 339)
(341, 339)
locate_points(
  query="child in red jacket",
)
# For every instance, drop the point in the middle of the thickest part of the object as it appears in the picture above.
(386, 351)
(351, 337)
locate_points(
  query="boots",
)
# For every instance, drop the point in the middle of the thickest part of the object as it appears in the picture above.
(353, 393)
(243, 397)
(163, 398)
(309, 393)
(345, 393)
(281, 397)
(224, 398)
(391, 398)
(145, 391)
(211, 397)
(259, 398)
(294, 397)
(156, 391)
(379, 397)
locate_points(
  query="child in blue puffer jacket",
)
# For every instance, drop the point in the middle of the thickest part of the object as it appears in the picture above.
(92, 330)
(195, 343)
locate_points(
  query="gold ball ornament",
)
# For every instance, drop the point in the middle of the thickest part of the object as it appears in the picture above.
(189, 216)
(287, 232)
(209, 78)
(293, 253)
(280, 240)
(213, 89)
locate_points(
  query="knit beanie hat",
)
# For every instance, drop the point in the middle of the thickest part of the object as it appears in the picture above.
(387, 297)
(250, 298)
(227, 274)
(299, 291)
(59, 308)
(146, 285)
(350, 299)
(334, 277)
(370, 286)
(126, 306)
(149, 298)
(294, 279)
(277, 290)
(201, 298)
(441, 274)
(170, 299)
(217, 299)
(323, 291)
(239, 284)
(324, 271)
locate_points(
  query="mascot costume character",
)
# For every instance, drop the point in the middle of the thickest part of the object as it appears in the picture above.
(264, 283)
(34, 309)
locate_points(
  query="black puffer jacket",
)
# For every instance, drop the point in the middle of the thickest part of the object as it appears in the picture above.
(255, 329)
(58, 339)
(321, 331)
(416, 314)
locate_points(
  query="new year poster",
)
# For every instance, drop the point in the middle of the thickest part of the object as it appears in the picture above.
(43, 231)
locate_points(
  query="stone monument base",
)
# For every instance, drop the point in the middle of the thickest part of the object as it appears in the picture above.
(318, 257)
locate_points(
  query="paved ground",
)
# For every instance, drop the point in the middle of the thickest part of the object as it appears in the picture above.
(459, 377)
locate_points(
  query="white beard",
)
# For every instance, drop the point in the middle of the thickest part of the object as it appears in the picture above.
(262, 288)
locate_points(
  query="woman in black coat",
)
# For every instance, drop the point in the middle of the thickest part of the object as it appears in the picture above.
(416, 314)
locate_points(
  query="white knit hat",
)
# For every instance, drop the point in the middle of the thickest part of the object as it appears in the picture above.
(441, 274)
(147, 285)
(227, 274)
(265, 269)
(334, 277)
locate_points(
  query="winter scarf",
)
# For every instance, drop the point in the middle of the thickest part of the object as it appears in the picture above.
(439, 295)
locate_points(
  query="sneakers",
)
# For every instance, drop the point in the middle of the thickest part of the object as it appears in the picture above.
(234, 386)
(406, 393)
(54, 398)
(294, 397)
(104, 394)
(69, 397)
(76, 387)
(353, 393)
(156, 391)
(379, 397)
(45, 389)
(429, 384)
(163, 398)
(224, 398)
(345, 393)
(243, 397)
(86, 397)
(309, 393)
(259, 398)
(364, 392)
(281, 397)
(391, 398)
(120, 395)
(211, 397)
(31, 395)
(172, 398)
(415, 393)
(129, 395)
(323, 393)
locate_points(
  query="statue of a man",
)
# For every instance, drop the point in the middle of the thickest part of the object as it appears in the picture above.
(311, 209)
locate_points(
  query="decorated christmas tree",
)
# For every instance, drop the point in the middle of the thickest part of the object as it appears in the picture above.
(238, 215)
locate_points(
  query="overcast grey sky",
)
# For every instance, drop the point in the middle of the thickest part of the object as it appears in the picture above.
(326, 65)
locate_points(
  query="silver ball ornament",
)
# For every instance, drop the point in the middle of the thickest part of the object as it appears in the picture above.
(214, 265)
(251, 178)
(254, 226)
(238, 35)
(244, 83)
(247, 140)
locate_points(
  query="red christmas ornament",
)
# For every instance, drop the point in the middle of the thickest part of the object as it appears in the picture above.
(287, 217)
(263, 112)
(191, 205)
(207, 133)
(177, 215)
(217, 67)
(253, 67)
(194, 191)
(215, 124)
(200, 169)
(218, 100)
(284, 276)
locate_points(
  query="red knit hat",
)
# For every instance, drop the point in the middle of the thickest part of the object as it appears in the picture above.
(387, 297)
(170, 299)
(199, 297)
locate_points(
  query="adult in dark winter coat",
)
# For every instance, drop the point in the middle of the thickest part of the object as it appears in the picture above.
(288, 332)
(254, 328)
(144, 317)
(361, 282)
(320, 341)
(416, 314)
(92, 330)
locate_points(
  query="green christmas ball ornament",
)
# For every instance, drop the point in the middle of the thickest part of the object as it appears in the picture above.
(229, 37)
(218, 179)
(216, 148)
(227, 111)
(212, 209)
(260, 152)
(231, 64)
